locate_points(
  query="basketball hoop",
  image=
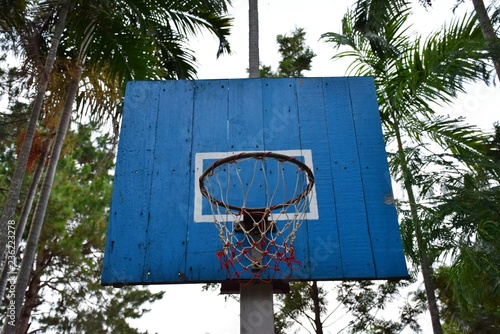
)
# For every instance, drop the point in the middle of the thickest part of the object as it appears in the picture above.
(258, 202)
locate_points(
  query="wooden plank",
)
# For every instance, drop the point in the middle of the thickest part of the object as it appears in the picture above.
(245, 123)
(383, 223)
(209, 134)
(325, 260)
(355, 243)
(282, 133)
(281, 130)
(245, 116)
(126, 238)
(167, 245)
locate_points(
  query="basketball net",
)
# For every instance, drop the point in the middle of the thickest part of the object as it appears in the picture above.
(258, 202)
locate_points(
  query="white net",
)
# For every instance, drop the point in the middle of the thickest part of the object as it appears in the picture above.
(258, 202)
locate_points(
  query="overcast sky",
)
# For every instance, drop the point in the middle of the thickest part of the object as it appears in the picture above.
(185, 308)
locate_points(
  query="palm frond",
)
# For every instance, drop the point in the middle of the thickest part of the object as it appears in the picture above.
(448, 59)
(379, 22)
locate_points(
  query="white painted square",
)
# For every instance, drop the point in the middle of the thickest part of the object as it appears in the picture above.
(200, 157)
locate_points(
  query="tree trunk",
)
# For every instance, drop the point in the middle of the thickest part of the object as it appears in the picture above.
(22, 160)
(41, 208)
(488, 33)
(317, 309)
(425, 264)
(32, 294)
(253, 39)
(23, 219)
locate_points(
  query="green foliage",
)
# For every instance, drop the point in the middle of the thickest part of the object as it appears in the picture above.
(483, 317)
(106, 311)
(365, 300)
(296, 56)
(305, 299)
(267, 72)
(466, 220)
(118, 41)
(410, 71)
(136, 40)
(300, 300)
(69, 260)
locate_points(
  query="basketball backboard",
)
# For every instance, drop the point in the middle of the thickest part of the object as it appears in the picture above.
(161, 227)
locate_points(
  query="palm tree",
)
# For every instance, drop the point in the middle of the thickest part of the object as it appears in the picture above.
(410, 74)
(469, 283)
(28, 35)
(39, 214)
(488, 33)
(253, 40)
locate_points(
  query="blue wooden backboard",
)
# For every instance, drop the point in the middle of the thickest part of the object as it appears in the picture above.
(160, 227)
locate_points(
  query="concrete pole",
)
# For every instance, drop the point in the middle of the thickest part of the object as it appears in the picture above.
(256, 308)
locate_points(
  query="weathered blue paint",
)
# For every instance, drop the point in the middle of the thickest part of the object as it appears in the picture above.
(152, 235)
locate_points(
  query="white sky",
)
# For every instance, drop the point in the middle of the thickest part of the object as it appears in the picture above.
(185, 308)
